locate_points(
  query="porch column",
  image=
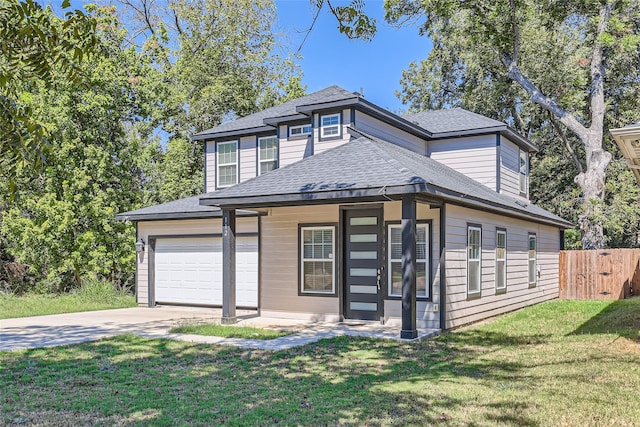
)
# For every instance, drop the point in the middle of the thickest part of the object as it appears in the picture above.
(409, 330)
(228, 266)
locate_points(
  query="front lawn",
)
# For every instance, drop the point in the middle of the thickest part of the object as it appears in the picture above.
(37, 305)
(217, 330)
(558, 363)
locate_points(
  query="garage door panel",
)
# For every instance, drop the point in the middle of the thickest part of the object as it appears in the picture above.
(189, 271)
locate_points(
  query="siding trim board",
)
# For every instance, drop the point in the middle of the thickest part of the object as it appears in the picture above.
(443, 267)
(498, 162)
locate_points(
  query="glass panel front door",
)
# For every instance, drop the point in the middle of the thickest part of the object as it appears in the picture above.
(363, 254)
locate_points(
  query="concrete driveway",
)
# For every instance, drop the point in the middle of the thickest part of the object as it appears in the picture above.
(72, 328)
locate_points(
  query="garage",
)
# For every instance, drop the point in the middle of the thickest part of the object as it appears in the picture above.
(188, 270)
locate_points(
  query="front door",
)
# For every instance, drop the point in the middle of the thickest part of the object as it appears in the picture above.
(363, 261)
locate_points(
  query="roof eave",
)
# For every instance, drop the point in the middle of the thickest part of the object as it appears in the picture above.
(235, 132)
(374, 194)
(274, 121)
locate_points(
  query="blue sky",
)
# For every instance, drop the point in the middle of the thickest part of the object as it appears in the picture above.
(330, 58)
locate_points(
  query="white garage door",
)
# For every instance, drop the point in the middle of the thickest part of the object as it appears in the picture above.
(189, 271)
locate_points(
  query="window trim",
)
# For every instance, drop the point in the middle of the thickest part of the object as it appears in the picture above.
(428, 261)
(276, 159)
(237, 162)
(502, 289)
(523, 176)
(301, 228)
(478, 293)
(534, 259)
(302, 134)
(321, 127)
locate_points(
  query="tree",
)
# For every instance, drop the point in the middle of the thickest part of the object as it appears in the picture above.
(62, 222)
(556, 60)
(34, 44)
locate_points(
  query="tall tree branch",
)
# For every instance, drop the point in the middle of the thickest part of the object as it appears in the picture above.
(567, 145)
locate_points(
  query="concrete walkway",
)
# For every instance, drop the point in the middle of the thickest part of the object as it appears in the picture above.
(73, 328)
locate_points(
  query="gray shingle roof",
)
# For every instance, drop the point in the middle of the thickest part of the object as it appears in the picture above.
(330, 94)
(182, 208)
(452, 120)
(368, 163)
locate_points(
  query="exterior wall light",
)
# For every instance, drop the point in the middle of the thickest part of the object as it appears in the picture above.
(140, 245)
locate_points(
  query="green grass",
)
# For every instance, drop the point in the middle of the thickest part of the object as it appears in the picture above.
(556, 364)
(90, 297)
(226, 331)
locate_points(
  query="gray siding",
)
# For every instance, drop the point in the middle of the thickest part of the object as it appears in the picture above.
(279, 273)
(460, 308)
(294, 149)
(474, 156)
(509, 168)
(179, 227)
(210, 165)
(390, 133)
(248, 157)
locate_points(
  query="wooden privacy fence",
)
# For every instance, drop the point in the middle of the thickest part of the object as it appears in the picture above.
(602, 274)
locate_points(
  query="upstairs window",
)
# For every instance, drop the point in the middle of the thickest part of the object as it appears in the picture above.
(395, 260)
(299, 130)
(501, 260)
(330, 125)
(524, 160)
(474, 253)
(227, 162)
(267, 154)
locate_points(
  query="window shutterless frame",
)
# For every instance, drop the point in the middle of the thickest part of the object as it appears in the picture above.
(330, 125)
(226, 163)
(523, 175)
(474, 260)
(501, 260)
(300, 130)
(531, 256)
(317, 259)
(267, 153)
(394, 258)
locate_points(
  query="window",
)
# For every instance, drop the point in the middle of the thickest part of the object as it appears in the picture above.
(523, 171)
(532, 260)
(474, 251)
(227, 163)
(394, 237)
(267, 154)
(501, 260)
(330, 125)
(317, 261)
(299, 130)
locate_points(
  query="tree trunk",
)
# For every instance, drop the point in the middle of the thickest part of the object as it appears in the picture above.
(591, 182)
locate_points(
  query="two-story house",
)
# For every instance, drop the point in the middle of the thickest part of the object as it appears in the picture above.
(328, 207)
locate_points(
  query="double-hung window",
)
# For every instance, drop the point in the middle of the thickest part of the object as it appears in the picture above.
(330, 125)
(299, 130)
(524, 160)
(227, 162)
(474, 259)
(267, 154)
(395, 260)
(501, 260)
(317, 267)
(533, 276)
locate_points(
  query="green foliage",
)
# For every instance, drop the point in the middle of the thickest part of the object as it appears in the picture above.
(353, 22)
(35, 45)
(554, 47)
